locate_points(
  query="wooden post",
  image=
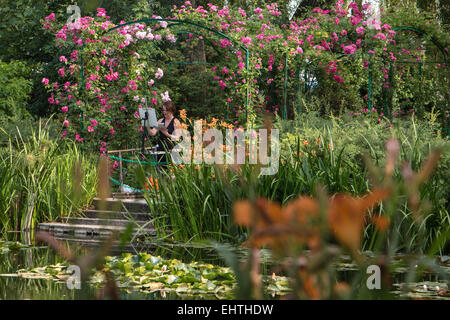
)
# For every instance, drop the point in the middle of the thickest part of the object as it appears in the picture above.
(121, 174)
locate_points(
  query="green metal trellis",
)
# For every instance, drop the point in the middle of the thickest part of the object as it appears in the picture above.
(174, 22)
(421, 33)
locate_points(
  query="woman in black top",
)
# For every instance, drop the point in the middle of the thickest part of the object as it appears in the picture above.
(167, 134)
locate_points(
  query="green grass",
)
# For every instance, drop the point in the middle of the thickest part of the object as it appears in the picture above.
(42, 179)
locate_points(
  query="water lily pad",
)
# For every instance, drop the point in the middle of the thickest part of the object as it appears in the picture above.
(423, 290)
(171, 279)
(154, 260)
(8, 246)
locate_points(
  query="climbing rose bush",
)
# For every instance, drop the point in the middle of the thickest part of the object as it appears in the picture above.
(329, 51)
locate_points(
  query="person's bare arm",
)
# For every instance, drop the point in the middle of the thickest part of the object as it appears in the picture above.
(173, 136)
(154, 131)
(177, 125)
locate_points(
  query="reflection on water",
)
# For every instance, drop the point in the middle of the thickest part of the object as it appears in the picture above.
(14, 287)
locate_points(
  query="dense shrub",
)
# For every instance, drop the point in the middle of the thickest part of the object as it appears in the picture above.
(16, 88)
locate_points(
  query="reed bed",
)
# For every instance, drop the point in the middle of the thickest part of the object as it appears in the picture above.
(42, 179)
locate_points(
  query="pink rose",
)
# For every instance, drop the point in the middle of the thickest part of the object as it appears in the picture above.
(338, 78)
(50, 17)
(101, 12)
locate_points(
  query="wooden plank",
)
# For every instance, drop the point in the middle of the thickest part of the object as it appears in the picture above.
(128, 150)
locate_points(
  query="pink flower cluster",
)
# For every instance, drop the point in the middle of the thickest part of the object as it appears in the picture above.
(311, 40)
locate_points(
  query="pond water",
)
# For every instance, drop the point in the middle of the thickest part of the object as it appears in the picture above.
(27, 256)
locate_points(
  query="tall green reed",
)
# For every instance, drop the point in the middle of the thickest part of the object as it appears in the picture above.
(195, 202)
(44, 179)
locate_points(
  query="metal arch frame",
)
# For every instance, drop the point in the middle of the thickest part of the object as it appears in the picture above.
(174, 22)
(197, 34)
(421, 33)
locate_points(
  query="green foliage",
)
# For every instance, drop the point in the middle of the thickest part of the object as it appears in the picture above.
(332, 154)
(20, 29)
(16, 88)
(415, 77)
(42, 179)
(191, 78)
(195, 202)
(22, 37)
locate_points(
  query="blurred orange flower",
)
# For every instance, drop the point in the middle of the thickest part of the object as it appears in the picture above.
(152, 184)
(273, 225)
(183, 114)
(346, 216)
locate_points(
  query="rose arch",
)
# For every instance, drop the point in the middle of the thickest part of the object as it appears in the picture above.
(143, 97)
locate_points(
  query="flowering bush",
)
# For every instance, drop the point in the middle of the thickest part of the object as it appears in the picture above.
(331, 53)
(101, 109)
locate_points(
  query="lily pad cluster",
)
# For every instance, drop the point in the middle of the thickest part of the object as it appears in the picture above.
(146, 273)
(56, 272)
(423, 290)
(8, 246)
